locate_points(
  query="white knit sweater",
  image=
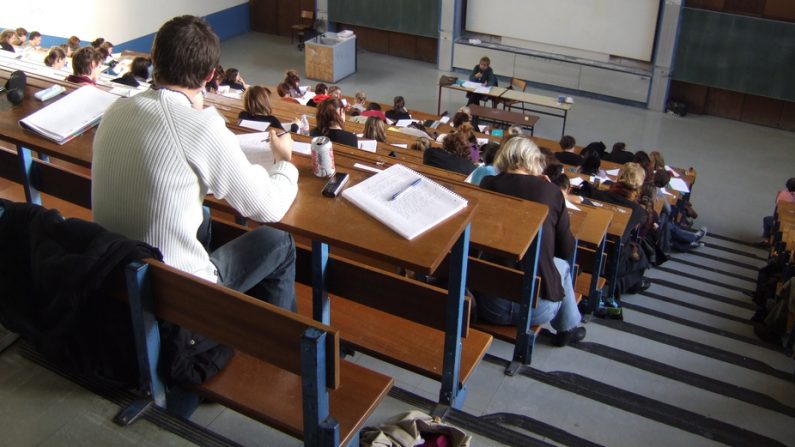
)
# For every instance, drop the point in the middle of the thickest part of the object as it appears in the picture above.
(155, 158)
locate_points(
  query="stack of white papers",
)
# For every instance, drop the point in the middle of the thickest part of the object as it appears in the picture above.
(256, 125)
(679, 185)
(368, 145)
(71, 115)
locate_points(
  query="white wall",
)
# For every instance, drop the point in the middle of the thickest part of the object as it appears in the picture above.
(611, 27)
(115, 21)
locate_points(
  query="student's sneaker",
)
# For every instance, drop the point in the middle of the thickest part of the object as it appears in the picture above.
(702, 232)
(696, 244)
(563, 338)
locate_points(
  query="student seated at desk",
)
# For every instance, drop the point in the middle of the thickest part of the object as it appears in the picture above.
(787, 195)
(454, 155)
(591, 165)
(420, 144)
(293, 83)
(138, 74)
(567, 156)
(330, 120)
(5, 40)
(398, 111)
(619, 154)
(626, 192)
(488, 153)
(73, 44)
(374, 129)
(643, 159)
(257, 105)
(359, 101)
(20, 37)
(33, 42)
(86, 65)
(56, 58)
(233, 79)
(321, 94)
(374, 109)
(520, 164)
(483, 74)
(106, 49)
(158, 153)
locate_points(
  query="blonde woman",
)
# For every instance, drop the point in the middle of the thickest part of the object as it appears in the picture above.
(521, 164)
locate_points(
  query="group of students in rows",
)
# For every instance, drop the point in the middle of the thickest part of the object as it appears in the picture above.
(13, 39)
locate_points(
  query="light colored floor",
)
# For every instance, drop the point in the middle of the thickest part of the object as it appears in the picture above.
(596, 392)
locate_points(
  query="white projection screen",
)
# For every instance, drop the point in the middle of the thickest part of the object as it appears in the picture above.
(622, 28)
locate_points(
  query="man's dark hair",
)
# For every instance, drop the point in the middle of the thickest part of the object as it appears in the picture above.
(83, 61)
(185, 52)
(791, 184)
(618, 147)
(567, 142)
(34, 35)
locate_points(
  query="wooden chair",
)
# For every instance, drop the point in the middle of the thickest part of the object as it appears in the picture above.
(509, 104)
(305, 22)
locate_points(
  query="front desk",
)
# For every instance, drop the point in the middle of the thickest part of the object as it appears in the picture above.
(329, 58)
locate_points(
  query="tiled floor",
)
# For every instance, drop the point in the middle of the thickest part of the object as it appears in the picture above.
(683, 369)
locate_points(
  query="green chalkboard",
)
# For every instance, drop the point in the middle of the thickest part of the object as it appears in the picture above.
(738, 53)
(417, 17)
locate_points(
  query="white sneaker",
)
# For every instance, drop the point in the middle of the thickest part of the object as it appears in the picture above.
(702, 232)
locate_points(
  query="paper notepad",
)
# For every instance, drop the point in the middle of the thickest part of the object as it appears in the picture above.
(415, 211)
(257, 151)
(679, 185)
(368, 145)
(256, 125)
(71, 115)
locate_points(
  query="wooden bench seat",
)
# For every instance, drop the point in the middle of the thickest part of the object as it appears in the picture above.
(286, 367)
(410, 345)
(583, 284)
(271, 395)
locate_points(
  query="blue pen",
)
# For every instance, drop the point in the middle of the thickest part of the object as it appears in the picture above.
(411, 185)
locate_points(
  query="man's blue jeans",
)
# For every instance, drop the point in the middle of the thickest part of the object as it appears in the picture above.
(259, 263)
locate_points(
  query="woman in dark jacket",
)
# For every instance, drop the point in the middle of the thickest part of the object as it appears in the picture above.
(454, 155)
(257, 105)
(520, 164)
(330, 119)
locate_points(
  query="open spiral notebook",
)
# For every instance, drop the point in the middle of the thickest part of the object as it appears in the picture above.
(405, 200)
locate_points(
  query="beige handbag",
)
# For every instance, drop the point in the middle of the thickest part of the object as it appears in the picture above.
(408, 429)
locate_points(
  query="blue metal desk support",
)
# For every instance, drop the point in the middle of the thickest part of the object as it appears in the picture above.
(452, 393)
(319, 427)
(594, 293)
(26, 163)
(612, 273)
(146, 334)
(321, 306)
(525, 338)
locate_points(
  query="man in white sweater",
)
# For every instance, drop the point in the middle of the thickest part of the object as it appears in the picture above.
(157, 155)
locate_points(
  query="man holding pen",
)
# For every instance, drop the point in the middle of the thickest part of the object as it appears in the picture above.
(156, 156)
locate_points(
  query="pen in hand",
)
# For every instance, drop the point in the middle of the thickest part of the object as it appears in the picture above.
(277, 135)
(400, 193)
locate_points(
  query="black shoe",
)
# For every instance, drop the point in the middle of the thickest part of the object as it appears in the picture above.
(563, 338)
(765, 334)
(645, 283)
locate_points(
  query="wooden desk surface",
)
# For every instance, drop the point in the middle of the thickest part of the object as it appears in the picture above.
(493, 91)
(595, 223)
(506, 116)
(510, 236)
(334, 221)
(531, 98)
